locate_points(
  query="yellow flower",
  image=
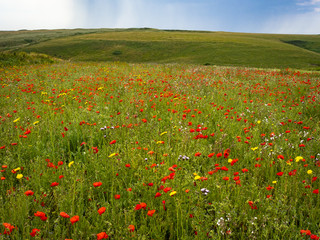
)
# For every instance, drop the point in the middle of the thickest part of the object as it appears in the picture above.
(289, 163)
(309, 172)
(70, 164)
(274, 182)
(36, 122)
(17, 169)
(298, 158)
(112, 154)
(195, 174)
(230, 160)
(255, 148)
(197, 177)
(160, 142)
(16, 120)
(173, 193)
(259, 122)
(19, 176)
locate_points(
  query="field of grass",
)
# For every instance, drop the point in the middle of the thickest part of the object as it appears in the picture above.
(168, 46)
(22, 58)
(158, 151)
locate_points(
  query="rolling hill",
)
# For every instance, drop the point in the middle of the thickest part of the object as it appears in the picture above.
(169, 46)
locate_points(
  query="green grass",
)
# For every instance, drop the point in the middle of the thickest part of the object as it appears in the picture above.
(66, 126)
(10, 59)
(163, 46)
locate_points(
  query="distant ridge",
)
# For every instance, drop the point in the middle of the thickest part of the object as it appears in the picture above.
(141, 45)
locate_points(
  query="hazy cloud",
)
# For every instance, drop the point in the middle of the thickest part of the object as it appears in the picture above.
(39, 14)
(307, 3)
(306, 19)
(304, 23)
(272, 16)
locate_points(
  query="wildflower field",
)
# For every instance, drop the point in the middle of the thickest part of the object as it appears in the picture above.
(154, 151)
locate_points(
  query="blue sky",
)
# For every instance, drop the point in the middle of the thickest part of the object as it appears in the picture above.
(257, 16)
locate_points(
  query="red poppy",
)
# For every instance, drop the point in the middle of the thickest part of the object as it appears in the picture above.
(316, 191)
(113, 142)
(252, 205)
(131, 228)
(8, 228)
(223, 168)
(41, 215)
(29, 193)
(102, 235)
(306, 232)
(34, 232)
(157, 195)
(280, 174)
(211, 155)
(54, 184)
(64, 215)
(197, 154)
(101, 210)
(236, 178)
(74, 219)
(117, 196)
(143, 205)
(269, 188)
(137, 207)
(97, 184)
(151, 212)
(95, 149)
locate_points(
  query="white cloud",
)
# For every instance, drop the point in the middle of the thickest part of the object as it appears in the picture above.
(310, 5)
(38, 14)
(309, 2)
(146, 13)
(306, 23)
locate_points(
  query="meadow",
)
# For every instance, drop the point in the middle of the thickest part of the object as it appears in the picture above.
(149, 45)
(158, 151)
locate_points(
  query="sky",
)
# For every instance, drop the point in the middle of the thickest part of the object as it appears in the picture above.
(255, 16)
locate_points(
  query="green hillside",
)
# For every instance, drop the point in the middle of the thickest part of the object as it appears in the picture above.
(169, 46)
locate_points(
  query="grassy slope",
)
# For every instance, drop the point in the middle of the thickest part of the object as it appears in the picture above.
(150, 45)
